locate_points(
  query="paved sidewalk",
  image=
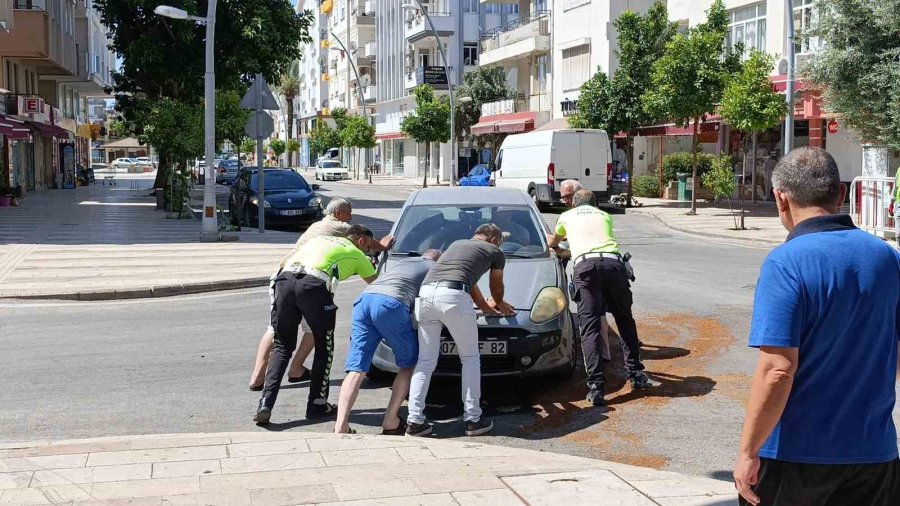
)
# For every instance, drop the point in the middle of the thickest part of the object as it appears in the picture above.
(715, 220)
(287, 468)
(102, 242)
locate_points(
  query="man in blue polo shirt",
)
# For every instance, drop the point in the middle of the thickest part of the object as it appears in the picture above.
(826, 320)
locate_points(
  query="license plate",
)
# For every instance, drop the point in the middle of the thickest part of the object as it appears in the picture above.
(486, 347)
(291, 212)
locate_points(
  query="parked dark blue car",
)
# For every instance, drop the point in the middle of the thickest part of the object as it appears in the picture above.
(289, 199)
(480, 175)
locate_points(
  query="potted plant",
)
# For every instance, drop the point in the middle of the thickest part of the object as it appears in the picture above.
(5, 195)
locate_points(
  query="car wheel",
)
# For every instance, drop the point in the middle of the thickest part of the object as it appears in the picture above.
(376, 374)
(534, 197)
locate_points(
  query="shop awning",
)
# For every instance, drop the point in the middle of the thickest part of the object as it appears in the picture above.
(45, 130)
(505, 123)
(390, 136)
(484, 127)
(13, 128)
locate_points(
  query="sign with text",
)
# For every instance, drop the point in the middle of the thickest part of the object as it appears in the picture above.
(432, 75)
(32, 105)
(832, 127)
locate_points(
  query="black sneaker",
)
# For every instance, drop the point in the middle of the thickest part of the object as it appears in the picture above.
(316, 411)
(482, 426)
(419, 429)
(263, 414)
(595, 397)
(640, 380)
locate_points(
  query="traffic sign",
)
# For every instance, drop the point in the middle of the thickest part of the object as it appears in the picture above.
(259, 87)
(832, 127)
(262, 120)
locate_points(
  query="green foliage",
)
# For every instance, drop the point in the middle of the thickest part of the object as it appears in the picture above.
(646, 186)
(118, 129)
(857, 68)
(292, 146)
(174, 128)
(322, 138)
(594, 109)
(339, 116)
(482, 85)
(248, 145)
(357, 133)
(230, 118)
(431, 120)
(288, 87)
(720, 177)
(680, 163)
(749, 103)
(277, 146)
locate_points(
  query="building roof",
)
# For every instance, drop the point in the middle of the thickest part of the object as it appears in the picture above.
(128, 142)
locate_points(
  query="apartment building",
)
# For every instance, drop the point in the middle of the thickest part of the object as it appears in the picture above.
(53, 57)
(311, 104)
(408, 56)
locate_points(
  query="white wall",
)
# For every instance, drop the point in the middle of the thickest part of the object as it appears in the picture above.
(847, 152)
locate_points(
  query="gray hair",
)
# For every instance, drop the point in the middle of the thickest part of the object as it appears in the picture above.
(490, 231)
(584, 198)
(337, 205)
(574, 184)
(431, 254)
(809, 177)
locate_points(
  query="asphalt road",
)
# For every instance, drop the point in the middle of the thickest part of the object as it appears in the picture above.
(182, 364)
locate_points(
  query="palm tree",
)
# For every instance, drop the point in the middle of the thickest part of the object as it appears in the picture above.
(289, 88)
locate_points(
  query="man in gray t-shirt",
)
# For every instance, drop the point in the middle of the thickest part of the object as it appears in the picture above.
(384, 313)
(446, 300)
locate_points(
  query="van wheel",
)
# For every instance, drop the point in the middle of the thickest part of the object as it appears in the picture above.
(540, 205)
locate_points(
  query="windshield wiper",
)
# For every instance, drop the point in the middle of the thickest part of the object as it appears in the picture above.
(517, 255)
(407, 253)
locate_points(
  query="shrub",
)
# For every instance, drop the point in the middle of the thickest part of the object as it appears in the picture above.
(646, 186)
(720, 178)
(681, 163)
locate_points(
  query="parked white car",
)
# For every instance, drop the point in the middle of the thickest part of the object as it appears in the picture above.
(331, 170)
(144, 161)
(123, 163)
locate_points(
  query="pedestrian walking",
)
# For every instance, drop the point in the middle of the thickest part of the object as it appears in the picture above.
(826, 320)
(384, 313)
(602, 283)
(445, 300)
(304, 291)
(336, 222)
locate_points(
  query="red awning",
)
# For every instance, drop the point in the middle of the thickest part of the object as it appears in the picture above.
(390, 135)
(779, 83)
(13, 128)
(45, 130)
(505, 123)
(484, 127)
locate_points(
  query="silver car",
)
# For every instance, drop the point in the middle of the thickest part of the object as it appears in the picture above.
(540, 338)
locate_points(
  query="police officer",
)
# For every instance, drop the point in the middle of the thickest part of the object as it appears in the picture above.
(304, 291)
(601, 278)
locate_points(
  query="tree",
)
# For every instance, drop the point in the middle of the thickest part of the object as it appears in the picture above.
(688, 80)
(482, 85)
(118, 129)
(429, 123)
(248, 146)
(323, 138)
(749, 104)
(289, 87)
(856, 70)
(720, 179)
(164, 58)
(277, 146)
(357, 134)
(292, 146)
(230, 118)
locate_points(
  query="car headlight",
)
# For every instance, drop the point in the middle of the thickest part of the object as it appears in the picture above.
(550, 302)
(255, 202)
(315, 202)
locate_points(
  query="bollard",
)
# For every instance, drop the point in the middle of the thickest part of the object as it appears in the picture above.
(160, 199)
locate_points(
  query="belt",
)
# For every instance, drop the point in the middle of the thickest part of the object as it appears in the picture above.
(316, 273)
(453, 285)
(588, 256)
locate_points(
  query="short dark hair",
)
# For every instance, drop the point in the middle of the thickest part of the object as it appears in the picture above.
(356, 232)
(584, 198)
(490, 231)
(809, 177)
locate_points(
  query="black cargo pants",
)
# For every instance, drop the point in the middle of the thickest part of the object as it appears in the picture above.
(299, 296)
(603, 285)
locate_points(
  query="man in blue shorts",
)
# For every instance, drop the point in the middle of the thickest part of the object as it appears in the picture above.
(384, 312)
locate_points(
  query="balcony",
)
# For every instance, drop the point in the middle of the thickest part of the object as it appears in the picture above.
(434, 75)
(524, 37)
(370, 93)
(36, 38)
(364, 13)
(370, 49)
(418, 29)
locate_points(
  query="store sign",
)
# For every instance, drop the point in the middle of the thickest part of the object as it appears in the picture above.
(32, 105)
(832, 127)
(432, 75)
(568, 107)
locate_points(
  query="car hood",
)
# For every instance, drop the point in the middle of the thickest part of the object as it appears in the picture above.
(333, 169)
(523, 279)
(279, 198)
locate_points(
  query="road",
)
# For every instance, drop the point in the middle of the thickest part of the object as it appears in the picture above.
(182, 364)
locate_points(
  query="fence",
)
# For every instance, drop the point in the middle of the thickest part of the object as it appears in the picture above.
(870, 198)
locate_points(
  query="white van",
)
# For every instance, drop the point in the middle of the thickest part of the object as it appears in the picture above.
(536, 162)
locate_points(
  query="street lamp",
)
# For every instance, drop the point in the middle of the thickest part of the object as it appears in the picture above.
(362, 98)
(437, 38)
(210, 225)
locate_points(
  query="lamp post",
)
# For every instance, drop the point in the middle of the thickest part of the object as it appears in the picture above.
(437, 38)
(360, 96)
(789, 92)
(210, 225)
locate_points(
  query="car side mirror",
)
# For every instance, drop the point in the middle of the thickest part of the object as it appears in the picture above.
(315, 187)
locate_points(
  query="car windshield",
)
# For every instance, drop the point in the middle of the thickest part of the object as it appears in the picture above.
(280, 180)
(437, 226)
(331, 165)
(230, 164)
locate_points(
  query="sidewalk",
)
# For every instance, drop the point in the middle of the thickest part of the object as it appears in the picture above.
(102, 242)
(272, 468)
(715, 220)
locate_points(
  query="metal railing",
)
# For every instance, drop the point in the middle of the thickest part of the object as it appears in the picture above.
(514, 24)
(870, 198)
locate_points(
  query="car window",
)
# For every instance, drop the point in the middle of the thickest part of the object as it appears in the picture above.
(330, 165)
(280, 180)
(437, 226)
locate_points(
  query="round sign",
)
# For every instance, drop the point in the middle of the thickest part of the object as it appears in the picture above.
(832, 127)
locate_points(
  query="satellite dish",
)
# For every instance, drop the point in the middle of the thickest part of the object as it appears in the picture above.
(365, 80)
(352, 45)
(782, 66)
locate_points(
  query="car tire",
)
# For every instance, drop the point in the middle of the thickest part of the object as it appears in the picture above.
(376, 374)
(568, 371)
(542, 207)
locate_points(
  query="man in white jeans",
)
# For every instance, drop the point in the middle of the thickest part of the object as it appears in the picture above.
(445, 300)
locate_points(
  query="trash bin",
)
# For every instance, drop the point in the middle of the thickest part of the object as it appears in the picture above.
(684, 191)
(160, 198)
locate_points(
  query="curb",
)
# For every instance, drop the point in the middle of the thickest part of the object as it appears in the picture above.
(767, 242)
(148, 293)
